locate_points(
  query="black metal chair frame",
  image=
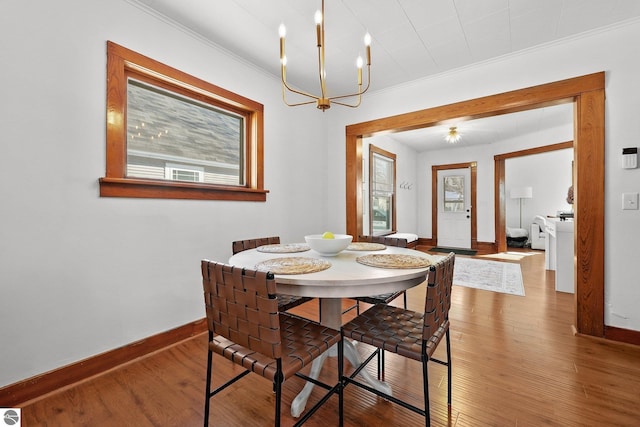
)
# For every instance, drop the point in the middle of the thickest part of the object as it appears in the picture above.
(279, 379)
(442, 270)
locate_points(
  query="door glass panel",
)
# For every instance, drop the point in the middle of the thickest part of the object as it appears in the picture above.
(453, 193)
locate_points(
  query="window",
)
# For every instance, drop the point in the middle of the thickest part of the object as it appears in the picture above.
(454, 193)
(171, 135)
(164, 127)
(382, 176)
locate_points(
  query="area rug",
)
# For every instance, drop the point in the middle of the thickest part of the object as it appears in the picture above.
(496, 276)
(513, 256)
(454, 250)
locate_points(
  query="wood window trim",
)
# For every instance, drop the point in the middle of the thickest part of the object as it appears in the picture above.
(372, 151)
(122, 62)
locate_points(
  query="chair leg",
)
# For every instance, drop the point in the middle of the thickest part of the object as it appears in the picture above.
(425, 382)
(448, 340)
(278, 385)
(341, 384)
(207, 393)
(405, 299)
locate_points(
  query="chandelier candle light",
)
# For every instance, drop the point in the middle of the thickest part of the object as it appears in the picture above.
(323, 101)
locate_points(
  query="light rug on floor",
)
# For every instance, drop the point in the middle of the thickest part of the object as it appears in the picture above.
(496, 276)
(513, 256)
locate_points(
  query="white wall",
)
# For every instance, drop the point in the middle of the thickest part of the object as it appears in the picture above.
(406, 207)
(80, 274)
(483, 155)
(549, 176)
(484, 201)
(605, 50)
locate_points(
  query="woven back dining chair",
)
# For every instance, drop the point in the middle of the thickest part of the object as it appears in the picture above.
(386, 297)
(408, 333)
(285, 301)
(246, 327)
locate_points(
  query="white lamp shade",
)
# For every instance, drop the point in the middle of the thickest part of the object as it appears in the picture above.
(522, 193)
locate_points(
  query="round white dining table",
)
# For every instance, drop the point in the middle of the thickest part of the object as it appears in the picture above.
(345, 278)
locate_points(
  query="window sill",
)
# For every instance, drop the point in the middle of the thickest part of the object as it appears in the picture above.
(151, 189)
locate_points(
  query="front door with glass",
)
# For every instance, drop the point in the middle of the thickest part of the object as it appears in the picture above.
(454, 208)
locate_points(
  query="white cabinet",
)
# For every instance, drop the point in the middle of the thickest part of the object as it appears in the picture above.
(559, 249)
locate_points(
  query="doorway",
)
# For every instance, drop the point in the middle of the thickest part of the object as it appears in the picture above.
(469, 225)
(588, 96)
(500, 180)
(454, 208)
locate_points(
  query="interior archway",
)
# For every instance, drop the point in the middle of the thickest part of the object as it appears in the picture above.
(587, 94)
(499, 183)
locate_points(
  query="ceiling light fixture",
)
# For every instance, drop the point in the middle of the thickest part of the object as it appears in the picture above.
(453, 135)
(323, 101)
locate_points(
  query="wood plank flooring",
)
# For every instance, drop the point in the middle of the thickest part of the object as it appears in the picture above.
(516, 362)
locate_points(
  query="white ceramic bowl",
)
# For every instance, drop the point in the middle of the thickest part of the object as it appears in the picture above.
(328, 247)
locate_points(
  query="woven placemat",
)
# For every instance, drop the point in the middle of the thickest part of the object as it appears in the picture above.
(366, 246)
(394, 261)
(283, 248)
(293, 265)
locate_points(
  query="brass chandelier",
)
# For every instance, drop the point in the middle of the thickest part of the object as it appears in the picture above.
(323, 101)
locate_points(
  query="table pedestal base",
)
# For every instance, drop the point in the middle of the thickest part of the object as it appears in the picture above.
(331, 309)
(300, 402)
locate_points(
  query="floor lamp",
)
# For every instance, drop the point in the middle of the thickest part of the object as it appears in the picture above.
(521, 193)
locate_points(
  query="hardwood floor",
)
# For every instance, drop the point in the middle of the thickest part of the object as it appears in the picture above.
(516, 362)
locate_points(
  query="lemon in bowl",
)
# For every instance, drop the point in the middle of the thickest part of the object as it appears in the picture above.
(328, 244)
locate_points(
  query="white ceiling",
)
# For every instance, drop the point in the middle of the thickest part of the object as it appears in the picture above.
(412, 39)
(556, 120)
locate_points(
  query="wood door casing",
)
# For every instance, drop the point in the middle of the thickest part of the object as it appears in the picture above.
(588, 96)
(434, 199)
(500, 192)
